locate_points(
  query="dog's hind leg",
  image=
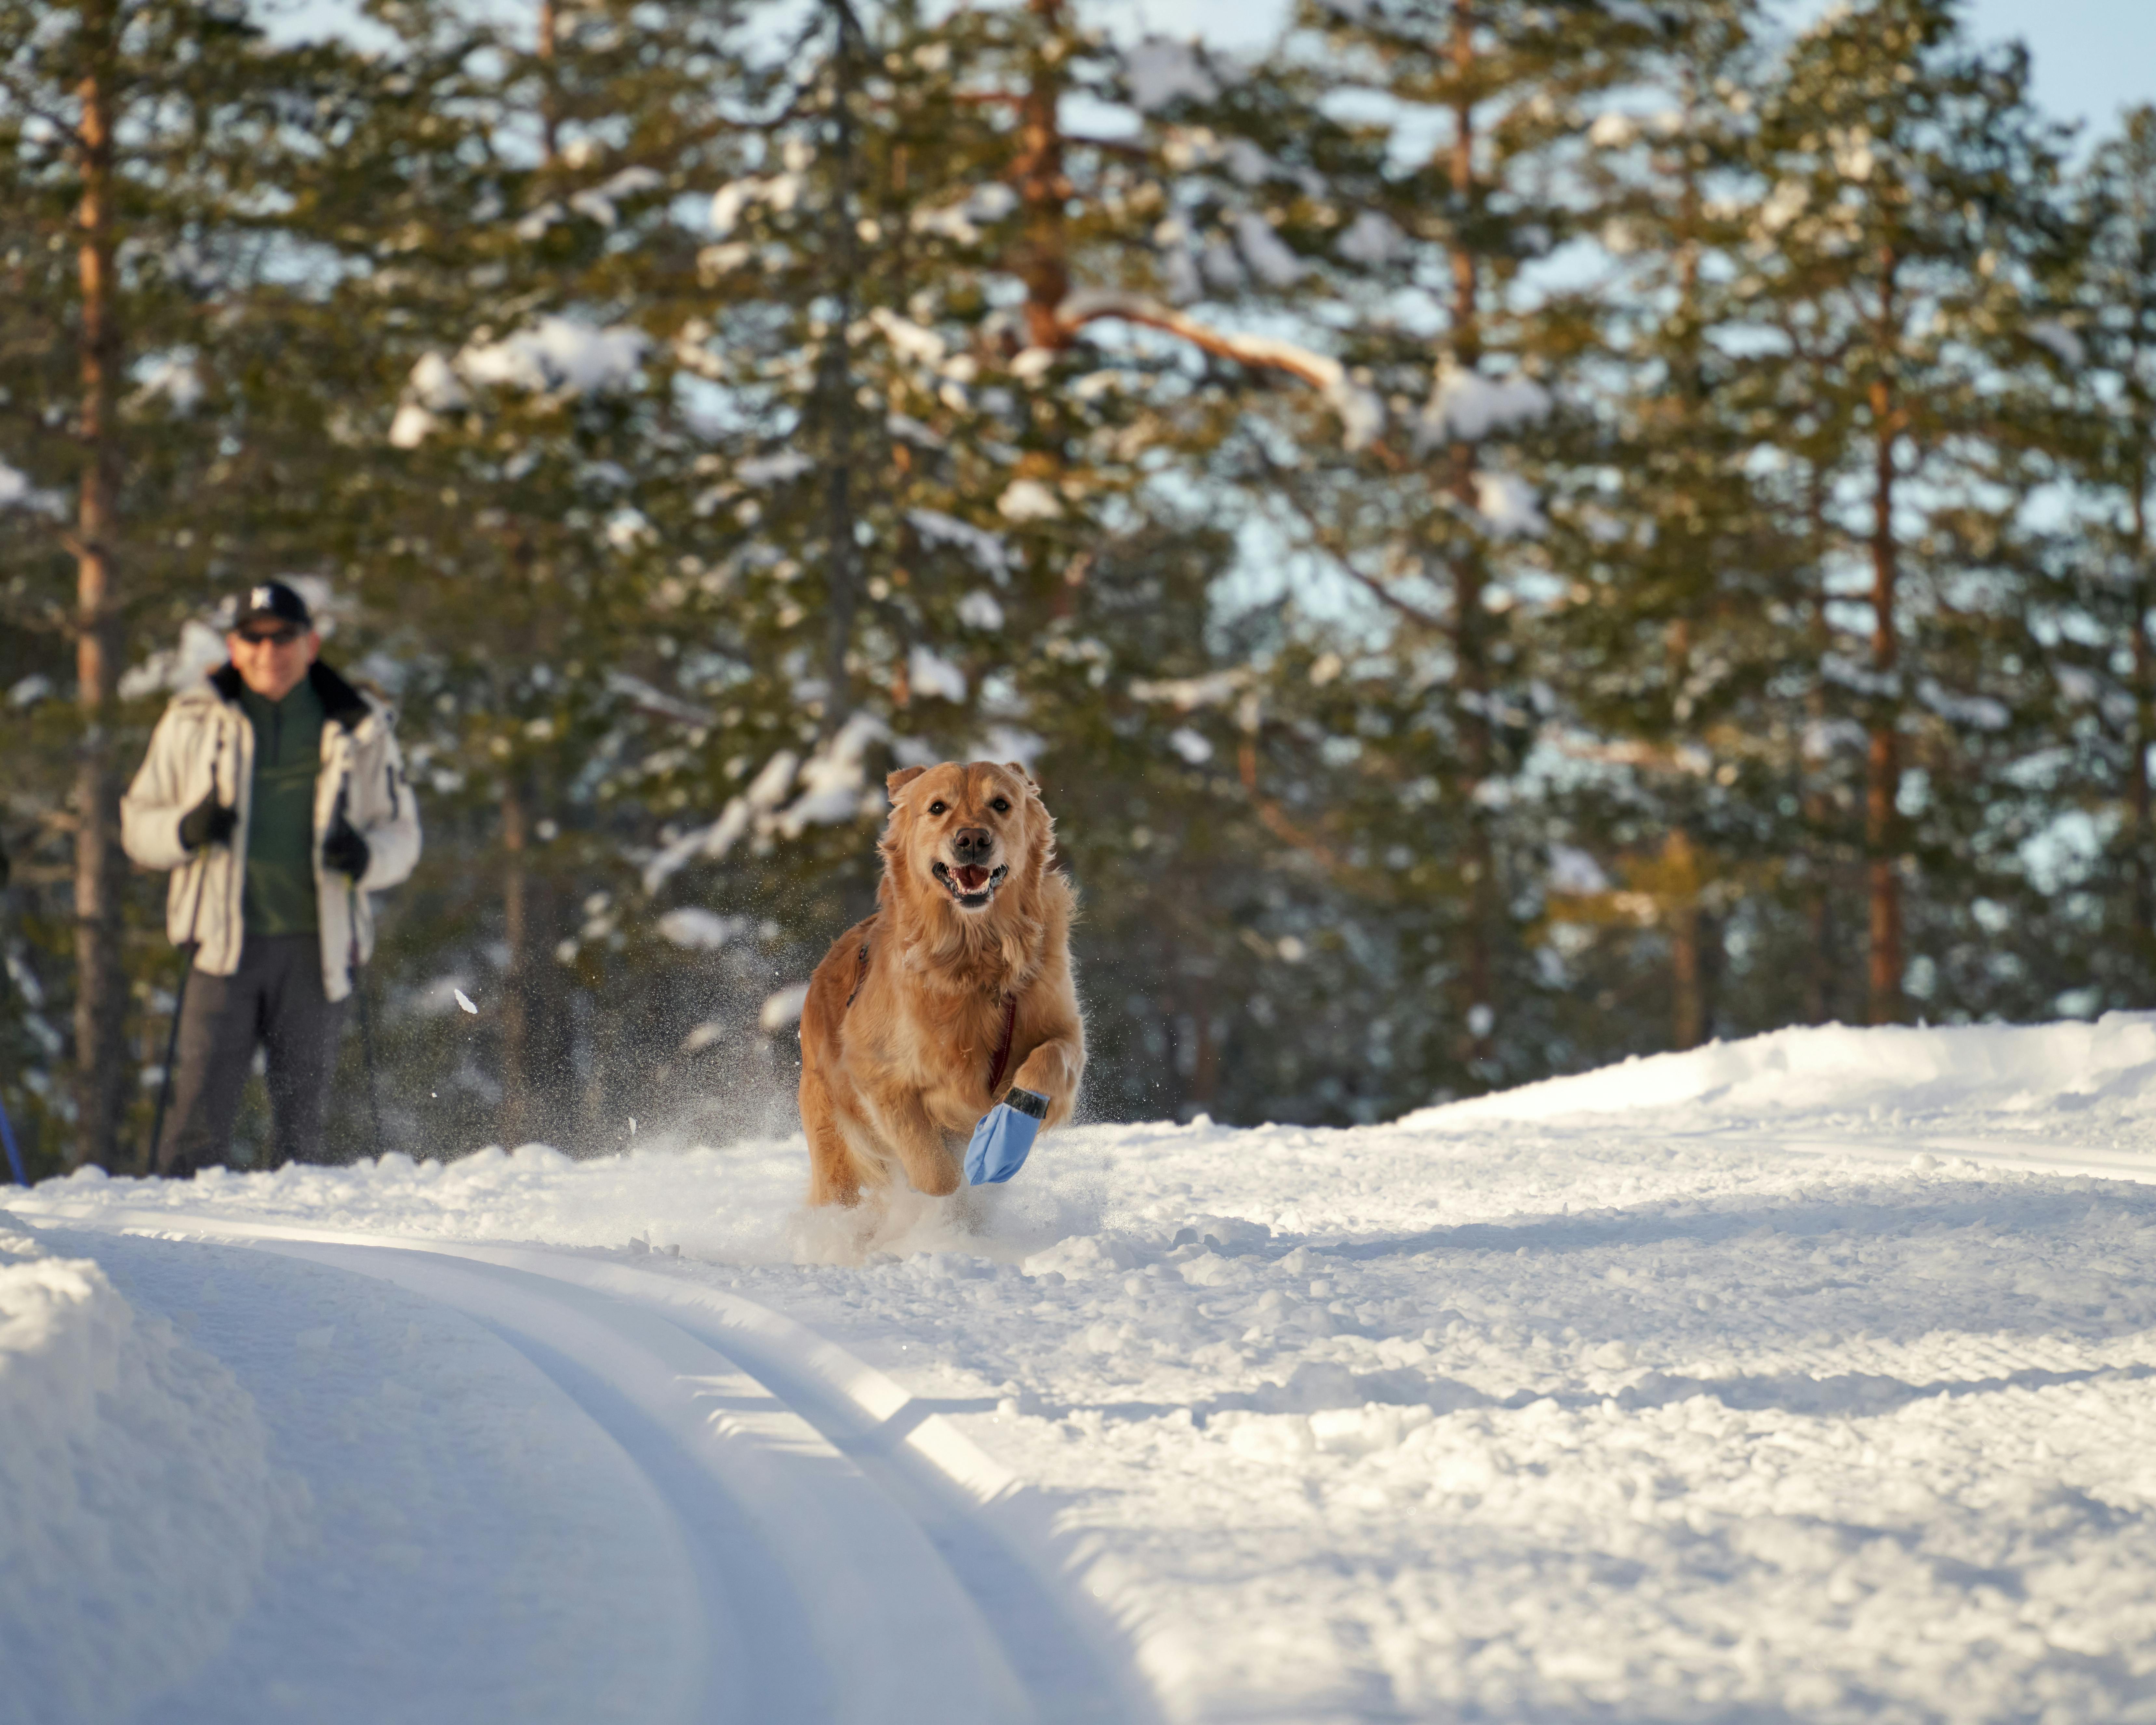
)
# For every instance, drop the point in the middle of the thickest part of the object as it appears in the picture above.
(833, 1176)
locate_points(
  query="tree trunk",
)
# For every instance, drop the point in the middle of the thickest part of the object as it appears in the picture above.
(835, 381)
(1043, 188)
(1473, 677)
(2144, 722)
(1688, 982)
(1818, 796)
(101, 1075)
(515, 1121)
(550, 89)
(1883, 766)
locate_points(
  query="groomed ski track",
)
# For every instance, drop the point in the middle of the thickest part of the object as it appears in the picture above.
(860, 1560)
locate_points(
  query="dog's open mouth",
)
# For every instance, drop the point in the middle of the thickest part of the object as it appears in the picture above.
(970, 886)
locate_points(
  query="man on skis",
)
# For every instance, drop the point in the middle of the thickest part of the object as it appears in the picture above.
(274, 791)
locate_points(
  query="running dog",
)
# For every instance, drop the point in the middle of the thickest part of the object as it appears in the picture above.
(956, 987)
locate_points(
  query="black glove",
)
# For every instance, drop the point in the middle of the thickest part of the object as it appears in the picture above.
(209, 822)
(344, 850)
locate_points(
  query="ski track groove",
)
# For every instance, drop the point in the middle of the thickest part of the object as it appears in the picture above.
(861, 1562)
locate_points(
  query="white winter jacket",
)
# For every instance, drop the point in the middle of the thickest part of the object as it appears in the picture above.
(204, 742)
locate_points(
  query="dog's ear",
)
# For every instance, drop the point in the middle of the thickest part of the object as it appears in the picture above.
(1017, 767)
(901, 779)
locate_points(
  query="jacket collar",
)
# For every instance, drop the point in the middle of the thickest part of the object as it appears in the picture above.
(340, 700)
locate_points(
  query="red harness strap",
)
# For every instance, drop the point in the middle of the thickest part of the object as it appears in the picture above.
(1004, 1048)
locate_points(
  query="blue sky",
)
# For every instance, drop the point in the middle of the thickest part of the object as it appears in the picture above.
(2092, 57)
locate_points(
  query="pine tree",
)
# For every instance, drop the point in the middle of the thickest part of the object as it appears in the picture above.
(1455, 346)
(1910, 200)
(151, 155)
(1672, 632)
(2101, 346)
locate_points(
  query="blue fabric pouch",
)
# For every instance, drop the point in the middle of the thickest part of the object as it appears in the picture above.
(1004, 1136)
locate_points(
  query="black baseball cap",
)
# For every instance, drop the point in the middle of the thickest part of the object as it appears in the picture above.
(273, 602)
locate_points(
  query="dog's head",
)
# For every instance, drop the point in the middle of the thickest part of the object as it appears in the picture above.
(961, 833)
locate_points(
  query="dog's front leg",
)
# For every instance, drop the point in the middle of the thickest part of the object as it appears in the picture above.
(919, 1146)
(1053, 1070)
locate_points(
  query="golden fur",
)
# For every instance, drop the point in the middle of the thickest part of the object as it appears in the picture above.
(894, 1083)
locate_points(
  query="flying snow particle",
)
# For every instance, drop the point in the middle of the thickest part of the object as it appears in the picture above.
(1191, 745)
(464, 1001)
(782, 1009)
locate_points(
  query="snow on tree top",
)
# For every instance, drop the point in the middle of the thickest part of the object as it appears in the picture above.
(782, 192)
(1507, 503)
(17, 492)
(1027, 500)
(563, 354)
(1465, 407)
(990, 203)
(1160, 71)
(988, 553)
(1370, 239)
(908, 338)
(1188, 694)
(599, 202)
(1271, 259)
(933, 676)
(774, 468)
(2050, 334)
(835, 784)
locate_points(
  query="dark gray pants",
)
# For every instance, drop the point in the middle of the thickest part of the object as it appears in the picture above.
(275, 998)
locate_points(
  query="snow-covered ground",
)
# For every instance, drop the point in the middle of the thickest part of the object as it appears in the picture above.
(1802, 1379)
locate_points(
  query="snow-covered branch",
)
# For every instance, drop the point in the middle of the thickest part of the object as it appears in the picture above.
(1361, 413)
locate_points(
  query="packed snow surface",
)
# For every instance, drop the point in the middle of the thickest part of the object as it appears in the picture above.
(136, 1490)
(1805, 1378)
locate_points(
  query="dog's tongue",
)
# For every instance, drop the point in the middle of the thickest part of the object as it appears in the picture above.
(971, 878)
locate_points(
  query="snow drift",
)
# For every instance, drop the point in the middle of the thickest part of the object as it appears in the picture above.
(1698, 1388)
(137, 1498)
(2000, 1070)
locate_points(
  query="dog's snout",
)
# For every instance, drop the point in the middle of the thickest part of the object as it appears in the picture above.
(972, 844)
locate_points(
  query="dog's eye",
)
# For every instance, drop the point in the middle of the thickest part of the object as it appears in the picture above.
(937, 807)
(1001, 805)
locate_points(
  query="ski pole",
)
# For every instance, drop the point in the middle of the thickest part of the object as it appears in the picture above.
(14, 1153)
(179, 1001)
(7, 1125)
(180, 995)
(355, 971)
(354, 978)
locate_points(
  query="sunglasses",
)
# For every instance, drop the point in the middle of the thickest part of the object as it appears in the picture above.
(273, 637)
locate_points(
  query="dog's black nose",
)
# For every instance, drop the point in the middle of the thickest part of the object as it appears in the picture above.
(972, 844)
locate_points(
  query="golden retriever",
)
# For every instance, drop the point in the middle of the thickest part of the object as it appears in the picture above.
(956, 987)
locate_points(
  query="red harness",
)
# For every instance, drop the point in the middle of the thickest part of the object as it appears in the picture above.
(1003, 1048)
